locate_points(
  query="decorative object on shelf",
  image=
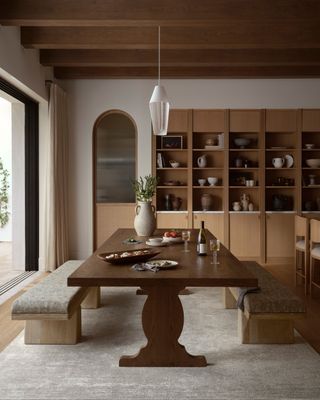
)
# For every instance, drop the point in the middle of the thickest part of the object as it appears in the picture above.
(278, 162)
(159, 104)
(212, 141)
(202, 182)
(168, 202)
(4, 198)
(251, 207)
(212, 180)
(202, 161)
(312, 179)
(236, 206)
(206, 202)
(281, 202)
(242, 143)
(145, 221)
(246, 164)
(173, 183)
(160, 160)
(282, 181)
(216, 142)
(172, 142)
(238, 162)
(176, 203)
(313, 162)
(309, 146)
(289, 161)
(174, 164)
(250, 183)
(244, 201)
(309, 205)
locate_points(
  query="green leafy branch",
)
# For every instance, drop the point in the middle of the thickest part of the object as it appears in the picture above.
(145, 188)
(4, 198)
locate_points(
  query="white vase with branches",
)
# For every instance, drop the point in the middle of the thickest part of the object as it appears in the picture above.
(145, 220)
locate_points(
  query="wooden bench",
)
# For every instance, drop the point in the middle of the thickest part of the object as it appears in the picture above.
(52, 310)
(268, 315)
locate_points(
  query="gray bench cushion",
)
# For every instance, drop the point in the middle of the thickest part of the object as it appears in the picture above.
(274, 297)
(52, 295)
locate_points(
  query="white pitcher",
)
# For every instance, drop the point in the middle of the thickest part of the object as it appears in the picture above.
(202, 161)
(278, 162)
(145, 221)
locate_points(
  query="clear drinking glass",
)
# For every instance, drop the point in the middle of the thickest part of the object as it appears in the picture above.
(215, 248)
(185, 235)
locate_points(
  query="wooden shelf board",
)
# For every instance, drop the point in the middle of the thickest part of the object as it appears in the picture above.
(244, 149)
(172, 212)
(172, 187)
(311, 212)
(207, 212)
(244, 212)
(287, 149)
(309, 169)
(315, 149)
(220, 149)
(244, 187)
(244, 169)
(208, 187)
(171, 149)
(311, 187)
(280, 187)
(206, 168)
(281, 212)
(279, 169)
(172, 169)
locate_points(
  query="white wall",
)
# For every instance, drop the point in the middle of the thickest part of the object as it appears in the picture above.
(89, 98)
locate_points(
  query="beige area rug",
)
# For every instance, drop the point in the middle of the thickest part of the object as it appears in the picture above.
(90, 369)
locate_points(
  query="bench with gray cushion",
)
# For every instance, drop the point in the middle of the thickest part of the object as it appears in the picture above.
(52, 309)
(268, 315)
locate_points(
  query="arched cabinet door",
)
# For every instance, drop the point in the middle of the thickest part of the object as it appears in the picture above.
(114, 167)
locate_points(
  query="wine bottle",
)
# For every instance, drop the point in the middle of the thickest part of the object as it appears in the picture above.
(202, 241)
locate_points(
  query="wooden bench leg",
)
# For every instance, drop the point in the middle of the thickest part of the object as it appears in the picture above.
(265, 331)
(92, 300)
(54, 331)
(228, 299)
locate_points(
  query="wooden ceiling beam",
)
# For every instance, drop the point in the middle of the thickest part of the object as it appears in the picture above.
(237, 35)
(210, 57)
(151, 12)
(187, 72)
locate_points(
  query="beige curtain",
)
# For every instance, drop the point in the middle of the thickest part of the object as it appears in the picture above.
(56, 196)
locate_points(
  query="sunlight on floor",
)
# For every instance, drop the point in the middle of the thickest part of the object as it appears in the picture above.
(6, 271)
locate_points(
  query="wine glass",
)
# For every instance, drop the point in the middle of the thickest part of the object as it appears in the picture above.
(215, 247)
(185, 235)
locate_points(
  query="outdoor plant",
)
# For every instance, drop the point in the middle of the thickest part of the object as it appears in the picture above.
(4, 187)
(145, 188)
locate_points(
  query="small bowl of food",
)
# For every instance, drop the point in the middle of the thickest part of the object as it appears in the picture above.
(202, 182)
(155, 240)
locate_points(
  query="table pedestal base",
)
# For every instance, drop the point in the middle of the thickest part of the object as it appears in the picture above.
(162, 321)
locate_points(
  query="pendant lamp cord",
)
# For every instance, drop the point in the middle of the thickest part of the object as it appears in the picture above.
(159, 33)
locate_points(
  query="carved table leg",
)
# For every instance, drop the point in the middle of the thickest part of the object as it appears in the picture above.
(162, 321)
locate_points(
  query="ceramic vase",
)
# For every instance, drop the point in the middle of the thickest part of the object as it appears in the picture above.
(206, 202)
(145, 220)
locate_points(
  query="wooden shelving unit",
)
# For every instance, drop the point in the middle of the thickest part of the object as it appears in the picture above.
(264, 234)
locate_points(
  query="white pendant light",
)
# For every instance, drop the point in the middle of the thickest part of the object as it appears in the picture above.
(159, 105)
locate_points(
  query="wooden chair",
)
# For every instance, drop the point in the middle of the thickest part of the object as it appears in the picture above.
(314, 255)
(302, 251)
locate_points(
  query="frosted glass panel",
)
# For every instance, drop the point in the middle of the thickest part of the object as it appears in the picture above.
(115, 159)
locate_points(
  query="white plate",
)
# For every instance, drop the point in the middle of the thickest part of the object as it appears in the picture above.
(172, 240)
(156, 244)
(289, 160)
(165, 263)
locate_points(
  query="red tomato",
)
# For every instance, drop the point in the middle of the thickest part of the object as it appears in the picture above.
(173, 234)
(166, 234)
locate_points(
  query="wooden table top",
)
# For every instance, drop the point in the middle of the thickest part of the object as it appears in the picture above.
(192, 269)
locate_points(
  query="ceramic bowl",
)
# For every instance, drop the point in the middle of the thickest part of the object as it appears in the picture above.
(241, 142)
(155, 240)
(309, 146)
(202, 182)
(212, 180)
(174, 164)
(313, 162)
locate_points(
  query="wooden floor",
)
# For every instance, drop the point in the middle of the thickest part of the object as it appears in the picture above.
(309, 327)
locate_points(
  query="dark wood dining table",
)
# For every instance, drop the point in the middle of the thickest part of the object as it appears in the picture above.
(162, 315)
